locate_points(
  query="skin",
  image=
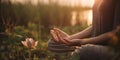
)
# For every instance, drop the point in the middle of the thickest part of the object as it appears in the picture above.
(80, 38)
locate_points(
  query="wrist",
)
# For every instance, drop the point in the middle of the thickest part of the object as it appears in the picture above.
(70, 37)
(83, 42)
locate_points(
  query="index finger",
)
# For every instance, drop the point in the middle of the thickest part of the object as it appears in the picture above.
(54, 36)
(61, 39)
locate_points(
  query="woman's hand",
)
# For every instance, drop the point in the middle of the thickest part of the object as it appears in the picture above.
(57, 32)
(60, 36)
(71, 42)
(56, 45)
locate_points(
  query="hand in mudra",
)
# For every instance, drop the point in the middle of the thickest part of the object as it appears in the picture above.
(58, 34)
(57, 45)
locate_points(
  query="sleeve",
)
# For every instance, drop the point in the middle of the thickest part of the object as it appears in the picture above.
(117, 14)
(116, 25)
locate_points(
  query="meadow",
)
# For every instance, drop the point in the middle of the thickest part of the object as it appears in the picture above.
(20, 21)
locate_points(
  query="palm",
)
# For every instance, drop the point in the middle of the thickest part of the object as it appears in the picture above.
(61, 33)
(56, 33)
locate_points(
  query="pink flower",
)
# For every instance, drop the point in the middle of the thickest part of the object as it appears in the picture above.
(29, 43)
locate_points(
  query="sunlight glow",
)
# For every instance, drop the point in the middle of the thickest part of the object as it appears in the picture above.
(86, 16)
(85, 3)
(73, 19)
(90, 17)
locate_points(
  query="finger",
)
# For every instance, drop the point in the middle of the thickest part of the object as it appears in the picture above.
(68, 41)
(54, 36)
(62, 35)
(61, 39)
(56, 29)
(58, 35)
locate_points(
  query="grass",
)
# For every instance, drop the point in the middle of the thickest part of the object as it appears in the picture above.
(12, 48)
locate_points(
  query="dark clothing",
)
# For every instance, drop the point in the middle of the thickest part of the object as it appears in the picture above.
(94, 52)
(103, 16)
(106, 17)
(117, 14)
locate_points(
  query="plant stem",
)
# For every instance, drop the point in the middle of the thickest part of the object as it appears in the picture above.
(30, 54)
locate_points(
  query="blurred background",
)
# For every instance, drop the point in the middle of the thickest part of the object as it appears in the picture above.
(34, 18)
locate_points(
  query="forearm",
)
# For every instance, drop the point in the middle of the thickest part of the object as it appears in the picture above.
(99, 39)
(83, 34)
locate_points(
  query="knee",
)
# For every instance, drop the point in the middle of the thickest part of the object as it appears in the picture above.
(51, 45)
(91, 52)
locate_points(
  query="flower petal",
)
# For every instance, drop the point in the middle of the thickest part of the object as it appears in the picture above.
(24, 43)
(36, 43)
(32, 42)
(27, 39)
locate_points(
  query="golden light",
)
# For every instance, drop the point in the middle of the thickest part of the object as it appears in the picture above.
(74, 2)
(88, 14)
(73, 19)
(90, 17)
(84, 3)
(84, 15)
(88, 3)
